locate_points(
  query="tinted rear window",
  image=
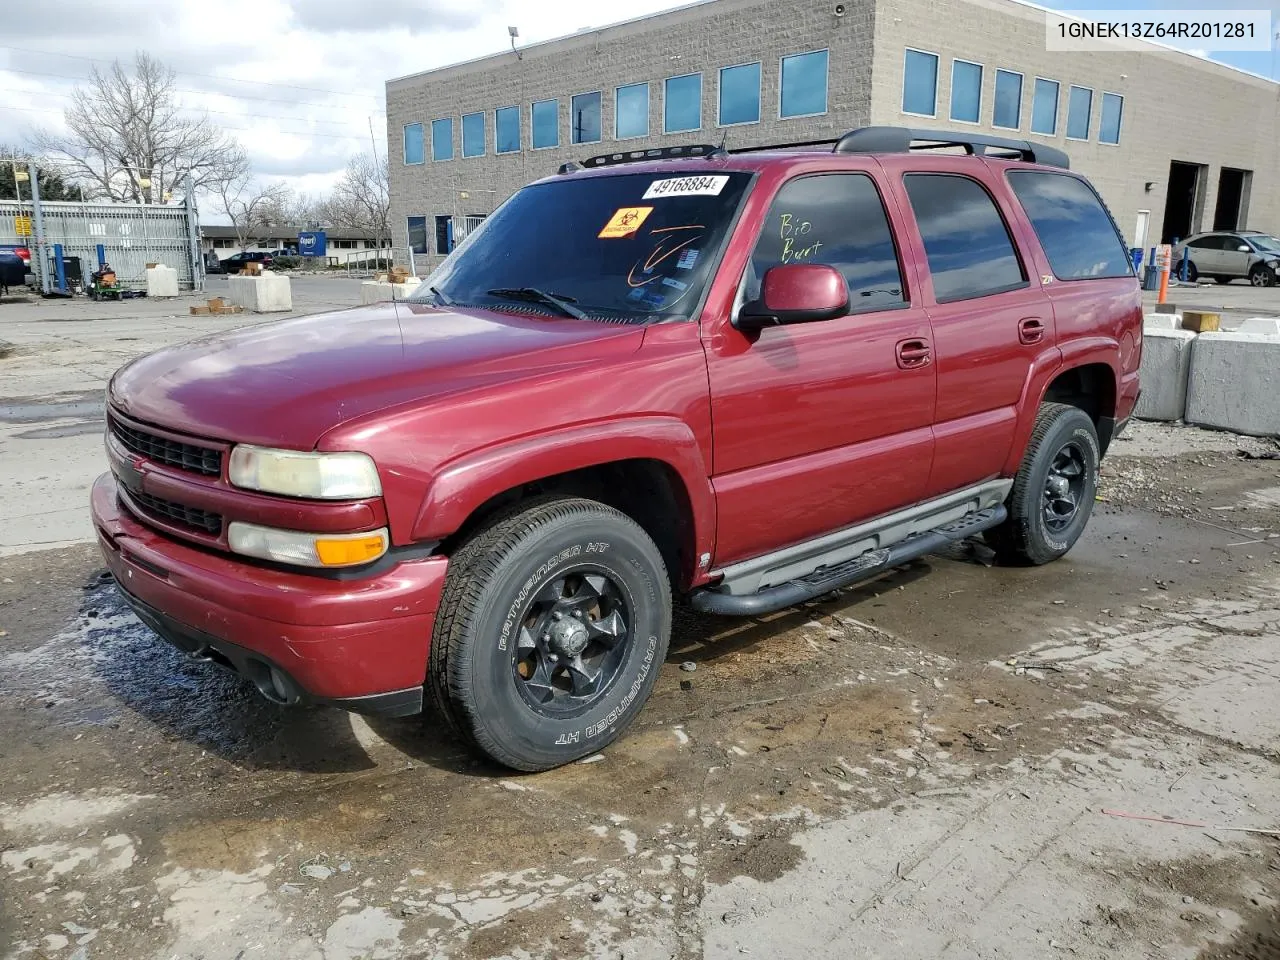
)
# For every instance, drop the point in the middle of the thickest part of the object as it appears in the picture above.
(1077, 234)
(966, 241)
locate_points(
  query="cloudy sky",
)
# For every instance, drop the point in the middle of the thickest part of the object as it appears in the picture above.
(300, 81)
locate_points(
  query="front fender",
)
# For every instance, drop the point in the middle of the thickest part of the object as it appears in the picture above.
(462, 485)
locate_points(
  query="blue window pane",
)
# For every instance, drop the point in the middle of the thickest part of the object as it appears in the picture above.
(1044, 108)
(1079, 105)
(506, 124)
(682, 104)
(413, 143)
(966, 91)
(920, 83)
(418, 233)
(442, 139)
(546, 124)
(632, 111)
(804, 84)
(1112, 110)
(740, 94)
(1008, 110)
(473, 135)
(584, 110)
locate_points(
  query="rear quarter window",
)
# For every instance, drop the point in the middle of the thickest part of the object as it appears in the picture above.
(1075, 230)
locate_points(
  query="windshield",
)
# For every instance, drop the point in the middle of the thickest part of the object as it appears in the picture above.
(1264, 243)
(640, 246)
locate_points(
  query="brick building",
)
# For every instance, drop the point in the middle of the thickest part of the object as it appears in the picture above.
(1175, 143)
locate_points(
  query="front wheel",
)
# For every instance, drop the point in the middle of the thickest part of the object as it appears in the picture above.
(1262, 276)
(552, 627)
(1053, 493)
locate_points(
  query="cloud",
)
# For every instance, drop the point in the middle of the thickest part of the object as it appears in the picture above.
(413, 16)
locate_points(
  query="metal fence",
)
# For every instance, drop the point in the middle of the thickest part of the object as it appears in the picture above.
(131, 235)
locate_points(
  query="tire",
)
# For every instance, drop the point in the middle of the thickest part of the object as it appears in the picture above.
(1192, 273)
(1262, 276)
(499, 669)
(1064, 438)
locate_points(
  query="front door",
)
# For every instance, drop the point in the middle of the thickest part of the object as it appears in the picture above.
(820, 425)
(1235, 262)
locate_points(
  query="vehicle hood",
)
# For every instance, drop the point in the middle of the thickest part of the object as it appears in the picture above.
(286, 383)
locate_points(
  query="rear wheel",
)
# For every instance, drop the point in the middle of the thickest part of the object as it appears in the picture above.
(552, 627)
(1053, 493)
(1262, 276)
(1192, 273)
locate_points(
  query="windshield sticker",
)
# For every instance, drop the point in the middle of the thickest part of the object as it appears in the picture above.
(688, 257)
(673, 282)
(708, 186)
(625, 222)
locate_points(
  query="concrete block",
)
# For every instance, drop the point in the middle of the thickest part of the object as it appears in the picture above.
(378, 291)
(162, 281)
(1270, 326)
(267, 293)
(1162, 321)
(1166, 360)
(1234, 383)
(1201, 321)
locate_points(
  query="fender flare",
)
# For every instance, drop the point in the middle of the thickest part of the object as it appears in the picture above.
(1046, 368)
(461, 486)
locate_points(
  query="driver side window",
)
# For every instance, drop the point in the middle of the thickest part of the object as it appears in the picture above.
(836, 219)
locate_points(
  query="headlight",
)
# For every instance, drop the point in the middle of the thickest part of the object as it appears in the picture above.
(296, 473)
(1273, 264)
(306, 549)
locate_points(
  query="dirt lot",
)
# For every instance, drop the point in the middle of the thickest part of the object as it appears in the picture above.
(915, 768)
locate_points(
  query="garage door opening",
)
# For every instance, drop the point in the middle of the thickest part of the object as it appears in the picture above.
(1232, 208)
(1185, 194)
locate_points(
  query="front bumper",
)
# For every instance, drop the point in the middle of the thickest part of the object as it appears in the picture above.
(359, 643)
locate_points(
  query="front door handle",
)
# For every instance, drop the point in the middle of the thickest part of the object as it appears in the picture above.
(913, 354)
(1031, 330)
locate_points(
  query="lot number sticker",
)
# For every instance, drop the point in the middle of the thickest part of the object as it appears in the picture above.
(708, 186)
(625, 222)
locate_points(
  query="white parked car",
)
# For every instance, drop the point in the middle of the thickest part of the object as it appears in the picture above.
(1231, 255)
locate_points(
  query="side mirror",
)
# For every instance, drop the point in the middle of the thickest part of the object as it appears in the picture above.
(796, 293)
(1244, 248)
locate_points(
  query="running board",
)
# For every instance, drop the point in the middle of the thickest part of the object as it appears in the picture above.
(826, 579)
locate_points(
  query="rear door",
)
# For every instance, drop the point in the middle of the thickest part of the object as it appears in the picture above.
(989, 315)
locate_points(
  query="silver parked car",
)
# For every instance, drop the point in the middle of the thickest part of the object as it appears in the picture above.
(1231, 255)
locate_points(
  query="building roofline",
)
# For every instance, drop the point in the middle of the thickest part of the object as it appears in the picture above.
(584, 34)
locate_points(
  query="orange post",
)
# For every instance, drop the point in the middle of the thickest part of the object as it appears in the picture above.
(1164, 260)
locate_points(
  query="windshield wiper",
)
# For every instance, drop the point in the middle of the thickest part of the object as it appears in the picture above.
(443, 300)
(534, 295)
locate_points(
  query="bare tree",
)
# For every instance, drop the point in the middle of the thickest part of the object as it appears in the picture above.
(362, 198)
(254, 208)
(129, 139)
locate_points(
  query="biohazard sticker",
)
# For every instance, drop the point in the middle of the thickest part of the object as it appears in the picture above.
(625, 222)
(706, 186)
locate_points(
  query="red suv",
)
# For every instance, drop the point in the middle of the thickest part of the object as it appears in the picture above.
(750, 378)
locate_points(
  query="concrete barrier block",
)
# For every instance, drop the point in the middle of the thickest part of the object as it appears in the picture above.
(266, 293)
(378, 291)
(1166, 360)
(1234, 383)
(1162, 321)
(1270, 326)
(162, 281)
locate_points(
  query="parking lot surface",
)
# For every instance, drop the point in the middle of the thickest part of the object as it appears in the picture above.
(930, 765)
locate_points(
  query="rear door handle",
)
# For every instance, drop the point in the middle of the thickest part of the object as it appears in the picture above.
(914, 353)
(1031, 330)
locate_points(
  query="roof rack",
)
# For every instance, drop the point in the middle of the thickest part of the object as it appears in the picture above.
(905, 139)
(639, 156)
(862, 140)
